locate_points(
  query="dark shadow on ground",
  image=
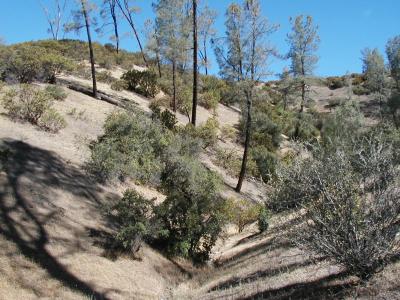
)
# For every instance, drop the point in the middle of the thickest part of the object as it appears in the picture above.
(267, 273)
(332, 287)
(23, 216)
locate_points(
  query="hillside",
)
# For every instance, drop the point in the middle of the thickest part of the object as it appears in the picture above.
(52, 228)
(59, 238)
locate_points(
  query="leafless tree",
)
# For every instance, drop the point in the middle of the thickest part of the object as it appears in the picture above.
(54, 18)
(110, 16)
(128, 10)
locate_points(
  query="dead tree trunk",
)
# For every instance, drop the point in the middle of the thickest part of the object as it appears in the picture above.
(91, 52)
(174, 85)
(195, 64)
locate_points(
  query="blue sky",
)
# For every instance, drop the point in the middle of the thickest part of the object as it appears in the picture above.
(345, 26)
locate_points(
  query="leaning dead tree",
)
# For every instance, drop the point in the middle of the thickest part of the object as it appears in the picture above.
(110, 16)
(54, 17)
(127, 10)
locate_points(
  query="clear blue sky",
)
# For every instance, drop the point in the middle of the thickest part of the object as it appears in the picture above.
(345, 26)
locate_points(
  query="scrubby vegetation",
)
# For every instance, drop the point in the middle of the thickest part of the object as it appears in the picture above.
(141, 82)
(304, 169)
(31, 104)
(349, 187)
(190, 219)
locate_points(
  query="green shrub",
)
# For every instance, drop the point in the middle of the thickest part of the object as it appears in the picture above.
(167, 118)
(144, 83)
(56, 92)
(24, 63)
(393, 104)
(335, 82)
(242, 212)
(134, 217)
(53, 64)
(306, 130)
(119, 85)
(210, 100)
(52, 121)
(360, 90)
(263, 219)
(192, 213)
(26, 103)
(33, 105)
(105, 76)
(29, 62)
(343, 125)
(130, 147)
(211, 90)
(265, 132)
(228, 133)
(231, 161)
(266, 163)
(207, 132)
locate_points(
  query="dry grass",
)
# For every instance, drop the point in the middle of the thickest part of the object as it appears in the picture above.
(49, 209)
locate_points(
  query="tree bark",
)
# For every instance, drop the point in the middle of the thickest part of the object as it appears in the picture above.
(195, 64)
(115, 23)
(246, 143)
(174, 85)
(91, 52)
(205, 57)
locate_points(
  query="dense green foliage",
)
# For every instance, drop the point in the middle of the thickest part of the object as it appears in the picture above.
(190, 219)
(335, 82)
(134, 216)
(243, 212)
(56, 92)
(141, 82)
(192, 212)
(130, 147)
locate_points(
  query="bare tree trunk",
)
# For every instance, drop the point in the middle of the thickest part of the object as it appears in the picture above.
(87, 24)
(246, 143)
(303, 99)
(127, 13)
(115, 22)
(195, 64)
(205, 56)
(174, 85)
(158, 65)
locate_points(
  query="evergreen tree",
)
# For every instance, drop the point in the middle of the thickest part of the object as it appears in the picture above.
(242, 56)
(172, 22)
(393, 54)
(304, 42)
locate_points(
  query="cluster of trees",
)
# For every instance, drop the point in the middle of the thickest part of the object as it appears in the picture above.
(189, 221)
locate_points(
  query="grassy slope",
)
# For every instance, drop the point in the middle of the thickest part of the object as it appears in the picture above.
(52, 227)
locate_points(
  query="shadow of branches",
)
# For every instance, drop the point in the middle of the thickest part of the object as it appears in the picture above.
(24, 213)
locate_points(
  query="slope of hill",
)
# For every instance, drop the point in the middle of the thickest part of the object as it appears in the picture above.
(53, 234)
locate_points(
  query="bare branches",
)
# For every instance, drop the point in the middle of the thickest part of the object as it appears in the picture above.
(128, 11)
(54, 18)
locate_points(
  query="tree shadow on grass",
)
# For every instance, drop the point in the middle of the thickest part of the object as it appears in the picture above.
(23, 218)
(333, 286)
(267, 273)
